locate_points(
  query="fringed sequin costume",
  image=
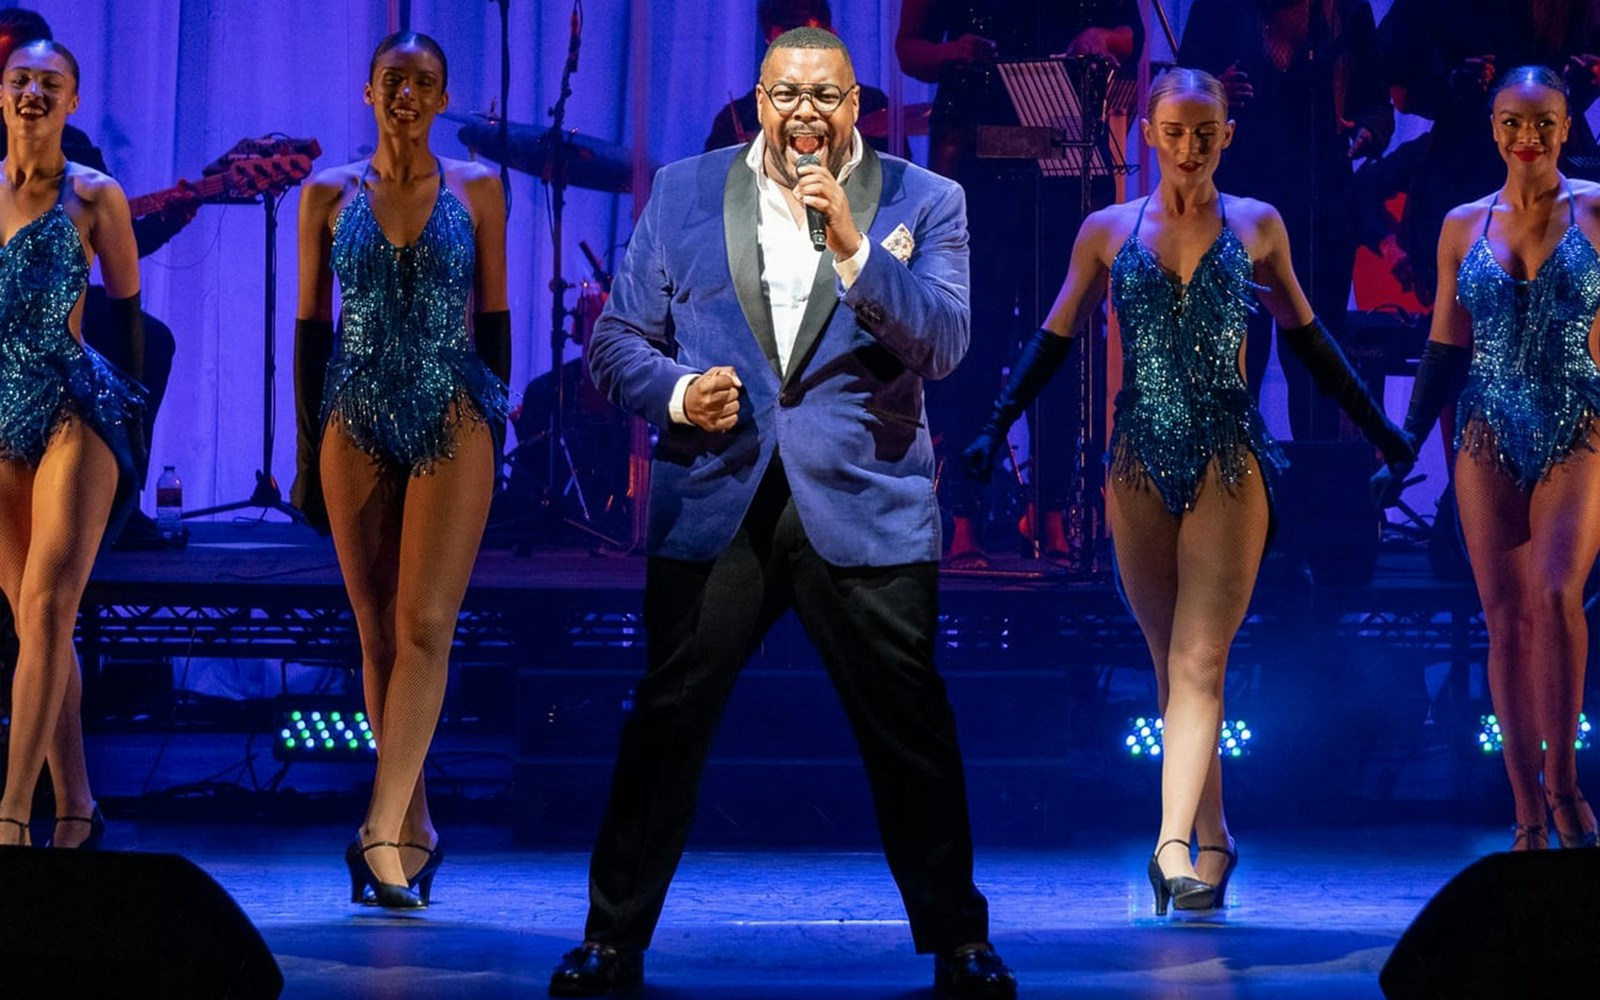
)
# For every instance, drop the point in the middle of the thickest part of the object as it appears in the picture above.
(403, 356)
(46, 373)
(1533, 390)
(1183, 402)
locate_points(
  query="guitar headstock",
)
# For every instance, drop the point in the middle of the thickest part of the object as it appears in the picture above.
(246, 178)
(267, 146)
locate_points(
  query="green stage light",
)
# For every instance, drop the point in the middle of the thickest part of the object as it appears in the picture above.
(1491, 740)
(326, 734)
(1144, 738)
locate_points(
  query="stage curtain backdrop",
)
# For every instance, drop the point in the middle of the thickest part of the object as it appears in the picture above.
(168, 85)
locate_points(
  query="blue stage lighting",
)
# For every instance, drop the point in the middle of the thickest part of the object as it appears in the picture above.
(1491, 741)
(1234, 740)
(1144, 738)
(323, 733)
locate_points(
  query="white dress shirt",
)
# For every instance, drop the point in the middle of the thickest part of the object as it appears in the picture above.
(789, 262)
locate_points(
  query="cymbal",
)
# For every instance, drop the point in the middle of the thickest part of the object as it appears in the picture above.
(591, 163)
(913, 119)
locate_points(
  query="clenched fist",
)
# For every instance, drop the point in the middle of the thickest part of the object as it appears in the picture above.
(712, 401)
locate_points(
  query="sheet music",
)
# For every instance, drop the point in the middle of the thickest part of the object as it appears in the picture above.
(1045, 96)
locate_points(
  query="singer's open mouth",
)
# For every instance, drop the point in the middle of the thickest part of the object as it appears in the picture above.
(805, 142)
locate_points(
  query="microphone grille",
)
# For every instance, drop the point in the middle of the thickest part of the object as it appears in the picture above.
(807, 160)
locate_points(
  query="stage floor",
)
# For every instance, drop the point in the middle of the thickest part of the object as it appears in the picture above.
(1313, 915)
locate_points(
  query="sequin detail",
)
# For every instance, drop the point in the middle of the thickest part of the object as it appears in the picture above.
(1183, 402)
(1532, 390)
(404, 356)
(46, 374)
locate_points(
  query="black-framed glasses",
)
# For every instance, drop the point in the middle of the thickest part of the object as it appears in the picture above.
(826, 98)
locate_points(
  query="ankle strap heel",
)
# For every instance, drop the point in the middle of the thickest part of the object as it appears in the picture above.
(1232, 853)
(22, 835)
(1530, 837)
(1182, 891)
(96, 822)
(1574, 805)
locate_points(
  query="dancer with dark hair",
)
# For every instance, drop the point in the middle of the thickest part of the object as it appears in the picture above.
(19, 26)
(69, 441)
(793, 470)
(1513, 349)
(1189, 498)
(400, 426)
(1442, 57)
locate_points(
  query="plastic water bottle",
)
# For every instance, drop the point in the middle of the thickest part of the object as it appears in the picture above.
(169, 502)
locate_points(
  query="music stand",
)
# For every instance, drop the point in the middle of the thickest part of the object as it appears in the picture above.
(1064, 130)
(266, 494)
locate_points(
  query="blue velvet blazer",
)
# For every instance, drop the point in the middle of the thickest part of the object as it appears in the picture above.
(847, 418)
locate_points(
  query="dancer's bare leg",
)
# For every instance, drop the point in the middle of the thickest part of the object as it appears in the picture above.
(365, 501)
(69, 772)
(69, 501)
(1564, 526)
(1495, 525)
(1189, 582)
(431, 540)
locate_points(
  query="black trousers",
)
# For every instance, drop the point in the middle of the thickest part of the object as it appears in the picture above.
(874, 629)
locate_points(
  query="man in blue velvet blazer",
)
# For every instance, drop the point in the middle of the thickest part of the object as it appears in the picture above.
(783, 368)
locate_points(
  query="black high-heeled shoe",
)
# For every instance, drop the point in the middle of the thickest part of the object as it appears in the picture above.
(1570, 804)
(1184, 892)
(422, 881)
(1534, 835)
(22, 835)
(385, 894)
(1232, 851)
(97, 829)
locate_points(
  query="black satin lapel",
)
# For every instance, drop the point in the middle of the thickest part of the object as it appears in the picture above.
(863, 187)
(740, 213)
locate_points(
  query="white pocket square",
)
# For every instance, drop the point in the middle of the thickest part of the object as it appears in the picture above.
(899, 243)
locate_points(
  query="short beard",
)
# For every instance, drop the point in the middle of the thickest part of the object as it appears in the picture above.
(778, 160)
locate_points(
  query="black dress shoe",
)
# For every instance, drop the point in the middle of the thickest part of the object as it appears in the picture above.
(597, 970)
(973, 974)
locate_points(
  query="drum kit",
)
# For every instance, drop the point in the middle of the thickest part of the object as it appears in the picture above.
(570, 469)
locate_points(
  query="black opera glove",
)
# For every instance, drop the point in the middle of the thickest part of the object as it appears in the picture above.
(313, 349)
(1336, 379)
(1440, 379)
(123, 348)
(491, 337)
(1042, 356)
(125, 345)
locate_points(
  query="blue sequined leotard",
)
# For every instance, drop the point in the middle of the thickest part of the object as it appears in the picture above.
(1183, 402)
(404, 357)
(46, 373)
(1532, 390)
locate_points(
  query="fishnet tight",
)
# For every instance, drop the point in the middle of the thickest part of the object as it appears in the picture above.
(1531, 552)
(51, 520)
(1188, 580)
(406, 546)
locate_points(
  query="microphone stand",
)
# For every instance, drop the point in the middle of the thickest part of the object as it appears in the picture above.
(558, 458)
(266, 494)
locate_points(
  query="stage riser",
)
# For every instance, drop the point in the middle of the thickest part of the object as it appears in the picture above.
(776, 714)
(755, 803)
(784, 766)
